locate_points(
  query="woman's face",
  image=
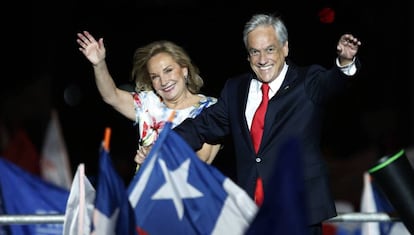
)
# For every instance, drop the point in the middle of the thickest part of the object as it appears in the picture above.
(168, 78)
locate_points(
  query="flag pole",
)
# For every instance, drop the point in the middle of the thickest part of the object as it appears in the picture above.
(171, 117)
(107, 138)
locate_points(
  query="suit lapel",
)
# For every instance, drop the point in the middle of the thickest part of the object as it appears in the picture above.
(240, 98)
(243, 92)
(272, 110)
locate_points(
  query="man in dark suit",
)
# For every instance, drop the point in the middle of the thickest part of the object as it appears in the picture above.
(295, 108)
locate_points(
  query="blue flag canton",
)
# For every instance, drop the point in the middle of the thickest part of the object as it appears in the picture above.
(110, 186)
(111, 198)
(181, 193)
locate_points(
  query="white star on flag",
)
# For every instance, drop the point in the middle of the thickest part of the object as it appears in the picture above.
(176, 192)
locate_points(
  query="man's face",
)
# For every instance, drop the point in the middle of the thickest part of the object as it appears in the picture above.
(266, 55)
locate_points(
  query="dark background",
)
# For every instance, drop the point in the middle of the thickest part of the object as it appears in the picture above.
(373, 120)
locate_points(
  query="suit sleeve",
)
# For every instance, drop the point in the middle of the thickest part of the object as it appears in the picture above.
(323, 85)
(210, 126)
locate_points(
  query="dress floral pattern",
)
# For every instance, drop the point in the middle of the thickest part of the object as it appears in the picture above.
(151, 114)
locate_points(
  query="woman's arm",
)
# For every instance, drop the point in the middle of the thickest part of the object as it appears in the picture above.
(95, 52)
(208, 152)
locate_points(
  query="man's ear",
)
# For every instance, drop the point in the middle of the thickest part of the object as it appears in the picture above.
(285, 49)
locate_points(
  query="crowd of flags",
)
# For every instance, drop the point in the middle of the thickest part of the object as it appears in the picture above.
(35, 183)
(173, 192)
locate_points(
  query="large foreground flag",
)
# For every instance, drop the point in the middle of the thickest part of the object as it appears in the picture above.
(174, 192)
(26, 194)
(54, 162)
(113, 213)
(80, 205)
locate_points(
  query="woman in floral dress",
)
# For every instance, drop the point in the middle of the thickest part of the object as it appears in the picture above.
(167, 83)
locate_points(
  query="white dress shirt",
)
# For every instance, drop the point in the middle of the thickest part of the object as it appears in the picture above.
(255, 93)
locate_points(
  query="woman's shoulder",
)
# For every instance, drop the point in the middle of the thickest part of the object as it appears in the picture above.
(207, 99)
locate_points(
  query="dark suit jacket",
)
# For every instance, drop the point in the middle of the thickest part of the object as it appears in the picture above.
(296, 111)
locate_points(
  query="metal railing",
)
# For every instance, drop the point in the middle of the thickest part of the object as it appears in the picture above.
(59, 219)
(31, 219)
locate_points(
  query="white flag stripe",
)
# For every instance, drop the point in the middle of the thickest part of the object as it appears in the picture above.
(80, 205)
(228, 223)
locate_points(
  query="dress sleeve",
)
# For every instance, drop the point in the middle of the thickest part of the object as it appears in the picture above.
(206, 102)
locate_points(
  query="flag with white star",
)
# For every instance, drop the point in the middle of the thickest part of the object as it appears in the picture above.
(174, 192)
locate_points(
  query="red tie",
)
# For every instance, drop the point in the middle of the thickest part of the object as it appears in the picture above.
(256, 132)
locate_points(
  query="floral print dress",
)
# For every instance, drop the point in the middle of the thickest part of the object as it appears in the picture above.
(151, 114)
